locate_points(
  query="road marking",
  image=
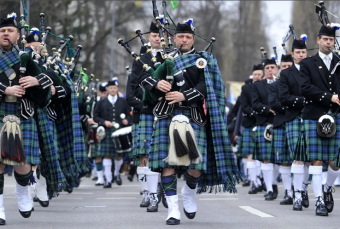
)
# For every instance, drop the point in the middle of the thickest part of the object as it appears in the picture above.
(218, 199)
(73, 198)
(122, 193)
(255, 211)
(257, 198)
(117, 198)
(77, 193)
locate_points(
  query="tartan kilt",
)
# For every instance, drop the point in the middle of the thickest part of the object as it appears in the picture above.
(263, 148)
(143, 144)
(29, 132)
(296, 139)
(106, 148)
(247, 144)
(160, 144)
(135, 132)
(321, 149)
(280, 150)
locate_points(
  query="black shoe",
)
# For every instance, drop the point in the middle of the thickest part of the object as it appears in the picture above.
(140, 193)
(320, 208)
(252, 189)
(88, 175)
(264, 188)
(95, 178)
(108, 185)
(44, 204)
(130, 178)
(270, 196)
(297, 205)
(305, 200)
(98, 184)
(153, 207)
(118, 180)
(35, 199)
(275, 191)
(68, 189)
(189, 215)
(287, 200)
(25, 214)
(145, 201)
(159, 192)
(246, 183)
(2, 222)
(259, 188)
(173, 221)
(328, 199)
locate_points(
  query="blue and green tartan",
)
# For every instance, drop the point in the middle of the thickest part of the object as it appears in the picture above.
(9, 59)
(106, 148)
(263, 148)
(222, 172)
(321, 149)
(134, 132)
(143, 143)
(280, 150)
(247, 144)
(296, 139)
(160, 143)
(50, 167)
(28, 129)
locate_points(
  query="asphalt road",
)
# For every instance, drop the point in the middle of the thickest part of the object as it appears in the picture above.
(94, 207)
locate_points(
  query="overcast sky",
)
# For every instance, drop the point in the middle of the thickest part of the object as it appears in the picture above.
(279, 13)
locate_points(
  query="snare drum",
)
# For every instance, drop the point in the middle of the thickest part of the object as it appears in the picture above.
(122, 139)
(93, 134)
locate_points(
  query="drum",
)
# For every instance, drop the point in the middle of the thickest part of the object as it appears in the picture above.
(93, 134)
(122, 139)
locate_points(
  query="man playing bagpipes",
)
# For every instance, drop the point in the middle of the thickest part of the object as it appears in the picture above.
(147, 178)
(264, 120)
(111, 113)
(185, 138)
(18, 134)
(280, 154)
(319, 85)
(291, 97)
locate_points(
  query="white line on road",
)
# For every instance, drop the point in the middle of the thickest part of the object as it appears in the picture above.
(77, 193)
(255, 211)
(122, 193)
(73, 198)
(218, 199)
(117, 198)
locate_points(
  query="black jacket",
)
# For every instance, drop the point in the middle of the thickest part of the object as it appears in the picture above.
(275, 105)
(318, 86)
(134, 94)
(247, 106)
(290, 94)
(103, 111)
(260, 103)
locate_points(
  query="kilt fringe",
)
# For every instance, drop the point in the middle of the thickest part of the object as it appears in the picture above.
(226, 182)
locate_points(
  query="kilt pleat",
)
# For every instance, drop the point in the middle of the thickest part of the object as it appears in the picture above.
(247, 143)
(160, 143)
(263, 148)
(280, 150)
(143, 143)
(296, 139)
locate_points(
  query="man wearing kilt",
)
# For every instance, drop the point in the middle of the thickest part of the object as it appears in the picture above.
(264, 117)
(292, 99)
(113, 113)
(247, 145)
(199, 146)
(280, 153)
(148, 178)
(18, 133)
(319, 87)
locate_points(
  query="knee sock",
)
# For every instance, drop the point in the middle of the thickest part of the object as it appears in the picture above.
(170, 185)
(267, 170)
(24, 179)
(298, 171)
(251, 165)
(95, 168)
(331, 177)
(99, 166)
(2, 179)
(191, 181)
(107, 163)
(244, 162)
(118, 164)
(317, 180)
(286, 179)
(258, 172)
(324, 177)
(275, 174)
(141, 172)
(305, 178)
(152, 182)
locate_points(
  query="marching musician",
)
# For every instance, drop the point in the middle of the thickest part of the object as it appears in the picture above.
(280, 153)
(293, 101)
(113, 113)
(264, 117)
(247, 146)
(319, 87)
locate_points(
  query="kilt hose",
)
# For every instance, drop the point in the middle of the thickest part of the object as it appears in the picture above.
(321, 149)
(247, 143)
(280, 151)
(30, 140)
(263, 148)
(160, 144)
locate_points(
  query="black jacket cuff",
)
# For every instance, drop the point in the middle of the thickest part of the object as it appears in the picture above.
(44, 80)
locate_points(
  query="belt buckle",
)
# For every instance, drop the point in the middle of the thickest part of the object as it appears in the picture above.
(10, 99)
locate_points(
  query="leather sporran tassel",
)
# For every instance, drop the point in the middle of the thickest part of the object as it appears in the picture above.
(12, 150)
(180, 147)
(193, 151)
